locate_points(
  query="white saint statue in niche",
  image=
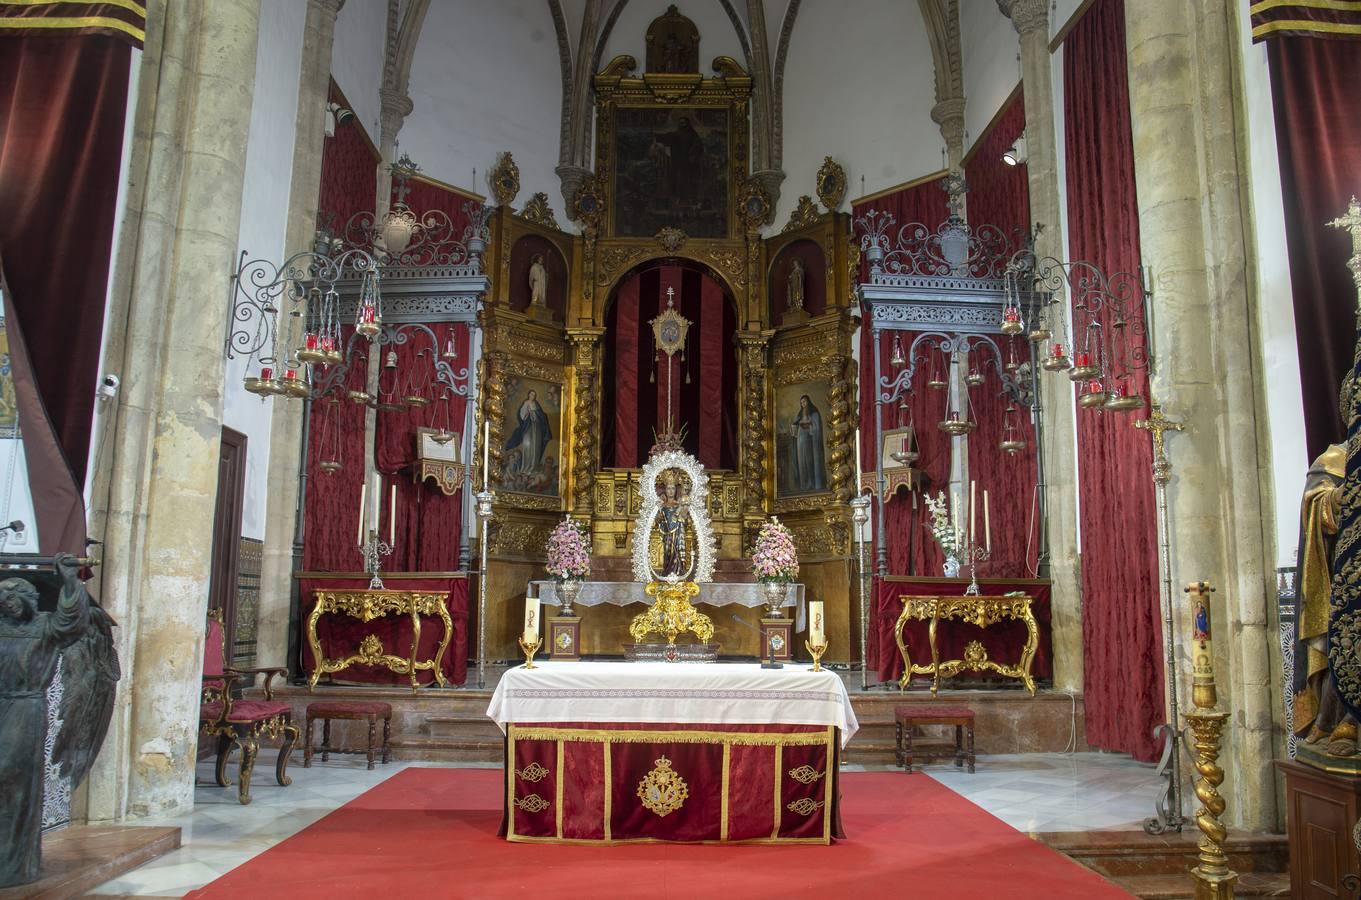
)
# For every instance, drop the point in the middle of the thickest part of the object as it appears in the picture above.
(795, 299)
(538, 282)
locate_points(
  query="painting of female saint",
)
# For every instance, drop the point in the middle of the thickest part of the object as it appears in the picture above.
(530, 432)
(671, 170)
(801, 439)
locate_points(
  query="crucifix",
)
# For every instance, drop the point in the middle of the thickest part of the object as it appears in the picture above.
(1352, 223)
(669, 330)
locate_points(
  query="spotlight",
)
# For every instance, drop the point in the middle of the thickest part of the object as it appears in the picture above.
(1016, 154)
(337, 115)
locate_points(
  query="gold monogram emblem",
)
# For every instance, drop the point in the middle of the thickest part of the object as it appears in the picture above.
(533, 773)
(532, 803)
(805, 774)
(805, 807)
(662, 790)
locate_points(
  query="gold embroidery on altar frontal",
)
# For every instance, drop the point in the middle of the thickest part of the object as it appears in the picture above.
(630, 736)
(533, 773)
(805, 774)
(805, 807)
(532, 803)
(663, 790)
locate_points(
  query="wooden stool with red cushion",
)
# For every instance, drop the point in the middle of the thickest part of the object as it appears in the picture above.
(241, 723)
(905, 718)
(326, 710)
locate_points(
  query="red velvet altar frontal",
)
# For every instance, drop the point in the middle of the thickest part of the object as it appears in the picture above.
(1003, 641)
(340, 635)
(603, 783)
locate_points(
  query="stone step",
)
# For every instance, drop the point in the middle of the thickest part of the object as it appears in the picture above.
(1118, 854)
(427, 748)
(464, 725)
(1182, 887)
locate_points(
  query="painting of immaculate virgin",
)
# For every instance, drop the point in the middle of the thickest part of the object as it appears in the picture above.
(671, 170)
(801, 437)
(530, 431)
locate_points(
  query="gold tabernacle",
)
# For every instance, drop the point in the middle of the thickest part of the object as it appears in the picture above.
(367, 605)
(980, 611)
(671, 613)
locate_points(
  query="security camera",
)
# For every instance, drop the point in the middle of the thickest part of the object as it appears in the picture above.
(108, 387)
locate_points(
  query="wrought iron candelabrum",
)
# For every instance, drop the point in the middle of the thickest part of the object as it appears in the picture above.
(860, 515)
(374, 549)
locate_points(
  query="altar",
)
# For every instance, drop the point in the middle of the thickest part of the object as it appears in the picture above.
(645, 752)
(711, 593)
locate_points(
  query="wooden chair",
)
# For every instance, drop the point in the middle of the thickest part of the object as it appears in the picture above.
(905, 718)
(237, 722)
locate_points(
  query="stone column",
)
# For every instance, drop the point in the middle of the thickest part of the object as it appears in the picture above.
(1031, 18)
(949, 115)
(185, 205)
(1185, 80)
(283, 548)
(574, 152)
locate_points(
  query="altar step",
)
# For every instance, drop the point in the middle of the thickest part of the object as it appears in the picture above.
(1156, 867)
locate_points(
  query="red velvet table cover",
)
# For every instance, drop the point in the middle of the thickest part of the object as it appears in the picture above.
(759, 784)
(1003, 641)
(340, 635)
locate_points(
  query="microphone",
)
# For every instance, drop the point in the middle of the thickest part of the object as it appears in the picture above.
(17, 526)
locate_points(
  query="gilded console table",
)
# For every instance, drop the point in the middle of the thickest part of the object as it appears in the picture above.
(980, 611)
(367, 605)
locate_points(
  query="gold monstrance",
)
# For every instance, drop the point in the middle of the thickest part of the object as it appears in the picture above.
(669, 330)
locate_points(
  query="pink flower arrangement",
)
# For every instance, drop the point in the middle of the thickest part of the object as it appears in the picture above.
(775, 558)
(569, 553)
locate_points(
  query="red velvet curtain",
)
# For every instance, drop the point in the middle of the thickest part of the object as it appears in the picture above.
(428, 522)
(634, 400)
(911, 550)
(331, 505)
(999, 195)
(1122, 635)
(349, 172)
(1318, 136)
(62, 106)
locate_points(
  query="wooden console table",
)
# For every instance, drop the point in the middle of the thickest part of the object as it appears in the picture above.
(980, 611)
(367, 605)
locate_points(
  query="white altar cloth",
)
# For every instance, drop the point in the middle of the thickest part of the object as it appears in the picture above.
(711, 593)
(680, 693)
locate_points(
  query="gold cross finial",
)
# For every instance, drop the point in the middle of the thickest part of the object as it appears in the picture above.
(1158, 425)
(670, 296)
(1352, 222)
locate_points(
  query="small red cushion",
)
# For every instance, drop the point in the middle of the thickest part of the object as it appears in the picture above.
(324, 708)
(209, 712)
(930, 710)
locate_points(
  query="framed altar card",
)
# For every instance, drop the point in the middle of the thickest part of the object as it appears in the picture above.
(672, 169)
(897, 440)
(801, 439)
(531, 429)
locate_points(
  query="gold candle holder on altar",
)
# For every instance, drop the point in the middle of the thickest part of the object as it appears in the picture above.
(816, 650)
(529, 650)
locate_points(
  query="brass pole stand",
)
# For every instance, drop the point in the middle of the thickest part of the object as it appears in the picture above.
(1213, 877)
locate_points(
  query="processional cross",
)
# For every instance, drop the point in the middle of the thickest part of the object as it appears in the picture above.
(1158, 425)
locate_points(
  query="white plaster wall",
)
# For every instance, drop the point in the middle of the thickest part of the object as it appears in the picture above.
(486, 78)
(989, 46)
(1276, 315)
(716, 34)
(357, 52)
(858, 87)
(264, 217)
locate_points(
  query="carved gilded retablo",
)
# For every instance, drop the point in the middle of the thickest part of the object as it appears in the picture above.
(662, 790)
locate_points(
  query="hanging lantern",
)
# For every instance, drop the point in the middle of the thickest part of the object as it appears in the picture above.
(1057, 360)
(450, 353)
(1011, 443)
(1121, 400)
(955, 426)
(311, 351)
(1083, 370)
(907, 453)
(295, 385)
(974, 378)
(330, 438)
(897, 359)
(936, 382)
(415, 394)
(1011, 321)
(1039, 334)
(388, 401)
(369, 316)
(1093, 395)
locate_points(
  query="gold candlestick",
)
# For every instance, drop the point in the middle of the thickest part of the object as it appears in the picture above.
(529, 650)
(817, 650)
(1214, 879)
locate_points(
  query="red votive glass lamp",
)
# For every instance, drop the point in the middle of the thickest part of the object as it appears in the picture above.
(368, 314)
(1011, 315)
(1094, 386)
(266, 373)
(310, 341)
(1057, 351)
(1083, 360)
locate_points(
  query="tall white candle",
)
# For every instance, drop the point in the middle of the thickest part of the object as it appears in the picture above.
(375, 501)
(857, 460)
(987, 523)
(973, 506)
(531, 620)
(392, 518)
(817, 634)
(486, 454)
(363, 492)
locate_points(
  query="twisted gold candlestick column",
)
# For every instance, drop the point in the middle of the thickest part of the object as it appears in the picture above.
(1213, 877)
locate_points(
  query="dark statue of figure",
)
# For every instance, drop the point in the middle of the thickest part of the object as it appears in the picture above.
(31, 642)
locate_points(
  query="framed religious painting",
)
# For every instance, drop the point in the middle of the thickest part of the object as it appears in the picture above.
(9, 404)
(531, 432)
(802, 439)
(672, 169)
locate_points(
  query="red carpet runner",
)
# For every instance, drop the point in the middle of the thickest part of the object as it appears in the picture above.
(432, 833)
